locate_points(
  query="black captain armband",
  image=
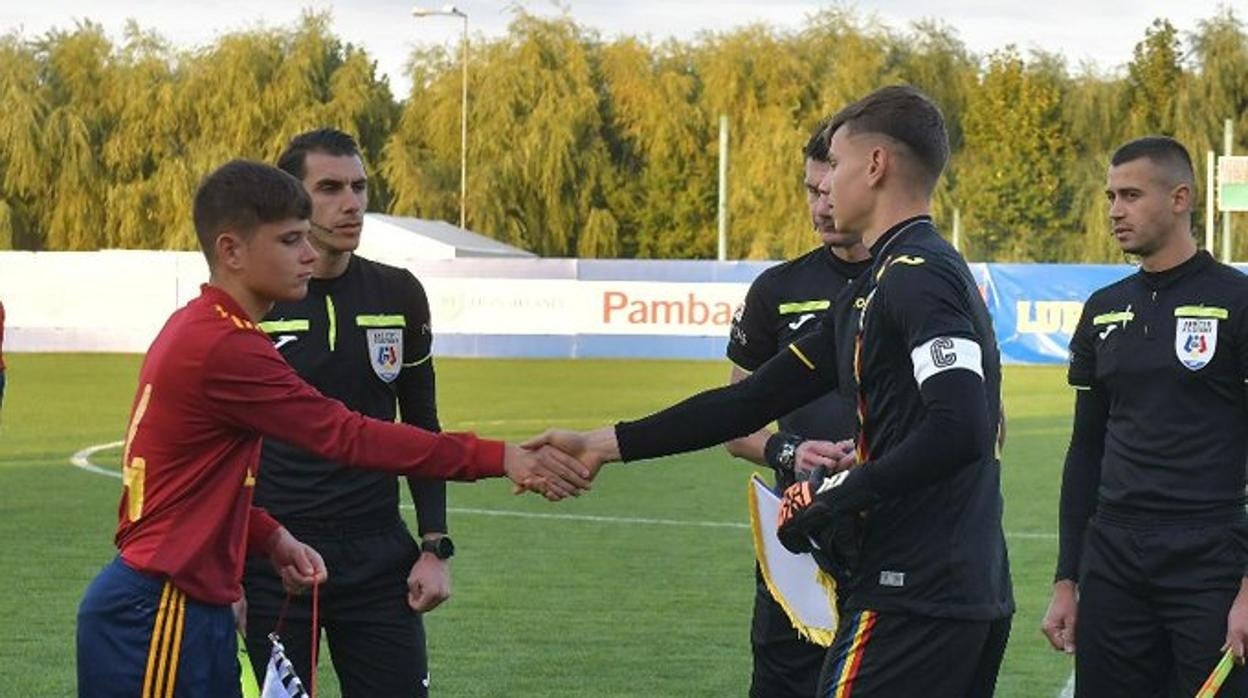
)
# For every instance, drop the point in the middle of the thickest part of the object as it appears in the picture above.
(781, 451)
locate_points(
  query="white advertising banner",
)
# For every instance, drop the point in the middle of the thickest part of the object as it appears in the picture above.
(570, 306)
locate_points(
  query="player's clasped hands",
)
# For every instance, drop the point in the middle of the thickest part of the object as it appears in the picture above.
(546, 470)
(564, 463)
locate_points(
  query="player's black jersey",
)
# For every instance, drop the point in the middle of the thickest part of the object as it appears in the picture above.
(937, 550)
(783, 304)
(929, 397)
(364, 339)
(1169, 351)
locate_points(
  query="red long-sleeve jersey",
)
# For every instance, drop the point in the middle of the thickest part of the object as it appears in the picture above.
(210, 387)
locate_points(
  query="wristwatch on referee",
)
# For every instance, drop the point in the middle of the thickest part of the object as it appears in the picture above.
(442, 548)
(781, 451)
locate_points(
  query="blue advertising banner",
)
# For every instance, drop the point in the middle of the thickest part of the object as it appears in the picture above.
(1035, 307)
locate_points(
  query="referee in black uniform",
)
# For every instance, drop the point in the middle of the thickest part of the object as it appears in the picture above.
(783, 304)
(360, 336)
(1153, 550)
(930, 602)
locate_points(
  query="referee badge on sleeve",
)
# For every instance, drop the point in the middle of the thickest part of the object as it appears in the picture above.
(385, 352)
(1195, 340)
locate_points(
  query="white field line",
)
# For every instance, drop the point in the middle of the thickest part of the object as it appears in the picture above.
(82, 459)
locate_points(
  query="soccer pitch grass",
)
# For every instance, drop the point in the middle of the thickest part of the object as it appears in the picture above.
(644, 589)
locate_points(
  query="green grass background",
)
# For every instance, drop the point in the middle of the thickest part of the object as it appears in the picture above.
(540, 607)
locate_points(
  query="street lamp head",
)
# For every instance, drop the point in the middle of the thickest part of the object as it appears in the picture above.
(447, 10)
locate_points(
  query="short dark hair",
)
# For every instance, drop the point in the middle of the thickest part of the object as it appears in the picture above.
(328, 141)
(240, 196)
(1163, 151)
(817, 147)
(906, 116)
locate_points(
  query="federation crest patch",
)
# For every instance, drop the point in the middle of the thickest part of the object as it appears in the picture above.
(385, 352)
(1195, 341)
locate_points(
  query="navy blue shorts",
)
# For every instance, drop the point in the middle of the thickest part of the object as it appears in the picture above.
(140, 637)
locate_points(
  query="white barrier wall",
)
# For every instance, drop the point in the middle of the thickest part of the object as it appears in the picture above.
(118, 300)
(93, 301)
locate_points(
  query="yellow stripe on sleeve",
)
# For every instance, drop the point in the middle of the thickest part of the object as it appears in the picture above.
(798, 352)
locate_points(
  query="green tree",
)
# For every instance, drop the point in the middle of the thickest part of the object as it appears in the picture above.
(1154, 79)
(538, 137)
(24, 166)
(662, 189)
(1012, 183)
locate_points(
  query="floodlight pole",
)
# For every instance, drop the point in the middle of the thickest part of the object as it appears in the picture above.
(721, 252)
(1210, 200)
(1228, 143)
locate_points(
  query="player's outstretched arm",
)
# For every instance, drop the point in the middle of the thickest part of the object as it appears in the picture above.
(247, 383)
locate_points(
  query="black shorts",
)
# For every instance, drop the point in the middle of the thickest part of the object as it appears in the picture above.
(785, 665)
(376, 641)
(1153, 601)
(896, 655)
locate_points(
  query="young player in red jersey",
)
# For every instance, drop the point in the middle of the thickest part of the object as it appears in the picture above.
(157, 620)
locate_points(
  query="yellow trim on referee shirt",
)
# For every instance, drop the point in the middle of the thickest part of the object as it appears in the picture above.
(273, 326)
(803, 307)
(809, 364)
(333, 321)
(1201, 311)
(381, 321)
(1111, 318)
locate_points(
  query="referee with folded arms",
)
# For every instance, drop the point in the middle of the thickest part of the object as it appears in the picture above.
(1152, 572)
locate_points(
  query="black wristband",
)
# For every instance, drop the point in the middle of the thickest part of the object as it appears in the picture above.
(781, 451)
